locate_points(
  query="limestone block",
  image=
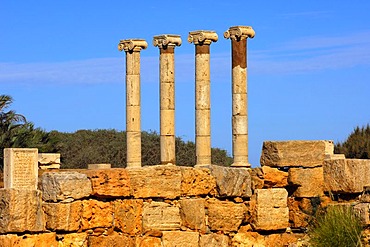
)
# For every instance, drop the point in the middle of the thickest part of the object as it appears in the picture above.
(295, 153)
(310, 181)
(133, 63)
(239, 76)
(21, 210)
(63, 216)
(109, 182)
(52, 166)
(282, 240)
(363, 211)
(59, 186)
(224, 215)
(232, 182)
(197, 181)
(155, 181)
(269, 209)
(240, 125)
(74, 240)
(167, 122)
(160, 216)
(178, 238)
(203, 124)
(96, 214)
(240, 104)
(133, 90)
(300, 212)
(193, 214)
(148, 241)
(48, 158)
(168, 152)
(20, 168)
(114, 239)
(214, 240)
(203, 149)
(248, 239)
(133, 155)
(99, 166)
(257, 178)
(202, 95)
(167, 95)
(274, 178)
(133, 119)
(128, 216)
(29, 240)
(346, 175)
(240, 145)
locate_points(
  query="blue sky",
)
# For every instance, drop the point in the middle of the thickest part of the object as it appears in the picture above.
(308, 65)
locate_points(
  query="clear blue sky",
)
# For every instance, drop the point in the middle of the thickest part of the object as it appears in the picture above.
(308, 66)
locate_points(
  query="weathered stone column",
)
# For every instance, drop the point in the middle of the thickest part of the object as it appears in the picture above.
(238, 36)
(166, 45)
(202, 41)
(132, 47)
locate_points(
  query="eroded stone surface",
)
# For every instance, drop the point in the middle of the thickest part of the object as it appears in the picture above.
(114, 239)
(295, 153)
(63, 216)
(178, 238)
(225, 216)
(148, 241)
(197, 181)
(160, 216)
(156, 181)
(109, 182)
(74, 240)
(274, 178)
(128, 216)
(346, 175)
(363, 211)
(192, 213)
(21, 210)
(269, 209)
(59, 186)
(28, 240)
(232, 181)
(300, 212)
(310, 181)
(214, 240)
(96, 214)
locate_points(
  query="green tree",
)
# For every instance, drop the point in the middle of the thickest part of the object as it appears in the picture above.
(357, 144)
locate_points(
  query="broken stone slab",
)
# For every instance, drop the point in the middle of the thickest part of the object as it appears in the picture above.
(64, 186)
(310, 181)
(161, 216)
(179, 238)
(162, 181)
(48, 158)
(21, 211)
(109, 182)
(197, 181)
(270, 209)
(224, 215)
(295, 153)
(346, 175)
(274, 178)
(232, 182)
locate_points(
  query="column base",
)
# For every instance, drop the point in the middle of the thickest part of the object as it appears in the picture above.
(241, 165)
(202, 166)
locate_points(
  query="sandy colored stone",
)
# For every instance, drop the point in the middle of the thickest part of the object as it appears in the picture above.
(28, 240)
(114, 239)
(160, 216)
(20, 168)
(203, 150)
(214, 240)
(269, 209)
(346, 175)
(99, 166)
(96, 214)
(48, 158)
(109, 182)
(295, 153)
(155, 181)
(148, 241)
(128, 216)
(282, 240)
(300, 212)
(310, 181)
(274, 178)
(133, 151)
(362, 210)
(232, 182)
(59, 186)
(197, 181)
(224, 215)
(178, 238)
(193, 214)
(63, 216)
(74, 240)
(248, 239)
(21, 211)
(257, 178)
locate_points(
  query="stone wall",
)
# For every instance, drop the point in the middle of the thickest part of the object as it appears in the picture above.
(168, 205)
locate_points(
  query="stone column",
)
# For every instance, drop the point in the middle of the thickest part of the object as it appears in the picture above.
(238, 36)
(202, 41)
(132, 47)
(166, 45)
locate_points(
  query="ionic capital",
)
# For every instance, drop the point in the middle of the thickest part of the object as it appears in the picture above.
(132, 45)
(239, 33)
(202, 37)
(163, 41)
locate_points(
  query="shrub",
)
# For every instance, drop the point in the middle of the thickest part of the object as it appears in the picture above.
(336, 226)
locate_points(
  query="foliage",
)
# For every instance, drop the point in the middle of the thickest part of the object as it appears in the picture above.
(336, 226)
(357, 144)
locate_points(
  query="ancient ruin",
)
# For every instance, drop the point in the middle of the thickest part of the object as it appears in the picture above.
(167, 205)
